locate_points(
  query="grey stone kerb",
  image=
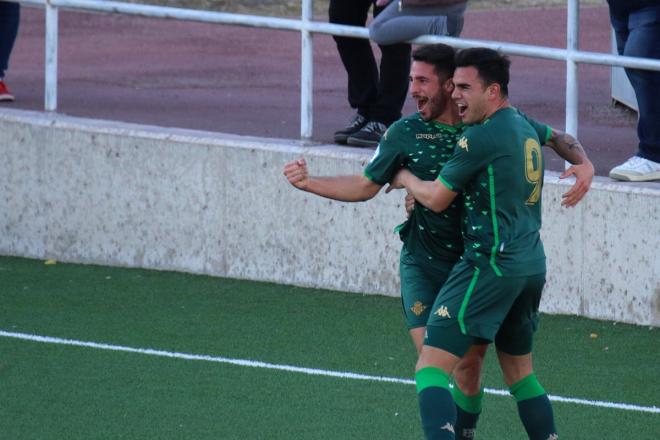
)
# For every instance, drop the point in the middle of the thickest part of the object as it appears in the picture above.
(121, 194)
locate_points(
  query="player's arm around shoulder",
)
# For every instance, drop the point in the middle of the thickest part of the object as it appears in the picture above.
(572, 151)
(433, 194)
(473, 153)
(350, 188)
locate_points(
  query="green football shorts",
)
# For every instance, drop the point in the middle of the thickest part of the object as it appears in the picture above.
(420, 283)
(476, 304)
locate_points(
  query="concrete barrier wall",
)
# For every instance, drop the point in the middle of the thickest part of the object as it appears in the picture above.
(120, 194)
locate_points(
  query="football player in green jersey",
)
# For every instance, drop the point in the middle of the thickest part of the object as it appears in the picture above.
(493, 293)
(422, 142)
(432, 243)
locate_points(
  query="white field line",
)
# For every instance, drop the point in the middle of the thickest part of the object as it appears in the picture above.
(294, 369)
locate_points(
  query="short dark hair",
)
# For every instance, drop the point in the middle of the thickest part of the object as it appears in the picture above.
(440, 56)
(492, 66)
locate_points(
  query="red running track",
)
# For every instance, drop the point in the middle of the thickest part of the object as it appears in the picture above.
(247, 81)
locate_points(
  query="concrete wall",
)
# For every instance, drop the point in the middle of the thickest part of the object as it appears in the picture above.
(120, 194)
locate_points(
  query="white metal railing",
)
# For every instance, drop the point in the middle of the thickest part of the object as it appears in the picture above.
(571, 55)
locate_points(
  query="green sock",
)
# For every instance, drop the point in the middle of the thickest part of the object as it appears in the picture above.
(436, 405)
(468, 409)
(534, 408)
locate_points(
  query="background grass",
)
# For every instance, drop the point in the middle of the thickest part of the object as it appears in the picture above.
(62, 392)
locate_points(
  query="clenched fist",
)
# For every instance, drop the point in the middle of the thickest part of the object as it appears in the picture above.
(297, 174)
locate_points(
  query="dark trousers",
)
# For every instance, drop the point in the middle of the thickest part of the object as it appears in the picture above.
(638, 35)
(9, 17)
(378, 96)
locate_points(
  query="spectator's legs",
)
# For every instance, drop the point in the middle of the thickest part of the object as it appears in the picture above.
(639, 36)
(9, 18)
(356, 54)
(393, 83)
(394, 25)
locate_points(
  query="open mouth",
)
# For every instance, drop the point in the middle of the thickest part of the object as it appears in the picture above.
(462, 109)
(421, 103)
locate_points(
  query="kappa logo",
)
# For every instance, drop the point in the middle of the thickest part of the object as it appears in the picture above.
(463, 143)
(443, 312)
(418, 308)
(448, 427)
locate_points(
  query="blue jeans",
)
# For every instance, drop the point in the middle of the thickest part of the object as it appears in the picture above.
(9, 17)
(638, 35)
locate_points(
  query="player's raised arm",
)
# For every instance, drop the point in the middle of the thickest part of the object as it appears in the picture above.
(570, 149)
(356, 188)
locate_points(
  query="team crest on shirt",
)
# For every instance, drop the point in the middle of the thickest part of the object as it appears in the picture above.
(442, 312)
(463, 143)
(418, 308)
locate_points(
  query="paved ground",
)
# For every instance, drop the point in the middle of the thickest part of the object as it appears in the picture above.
(246, 81)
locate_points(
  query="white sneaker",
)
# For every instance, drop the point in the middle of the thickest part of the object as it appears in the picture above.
(636, 169)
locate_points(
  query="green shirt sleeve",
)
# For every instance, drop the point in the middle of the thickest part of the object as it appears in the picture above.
(388, 158)
(470, 156)
(543, 131)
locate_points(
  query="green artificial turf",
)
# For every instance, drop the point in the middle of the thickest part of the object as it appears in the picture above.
(54, 391)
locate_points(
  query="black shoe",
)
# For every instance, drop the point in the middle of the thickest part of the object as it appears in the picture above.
(368, 136)
(341, 136)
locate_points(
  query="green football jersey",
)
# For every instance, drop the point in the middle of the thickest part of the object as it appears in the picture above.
(424, 148)
(498, 166)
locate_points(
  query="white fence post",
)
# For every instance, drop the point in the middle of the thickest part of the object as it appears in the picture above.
(306, 72)
(572, 43)
(50, 103)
